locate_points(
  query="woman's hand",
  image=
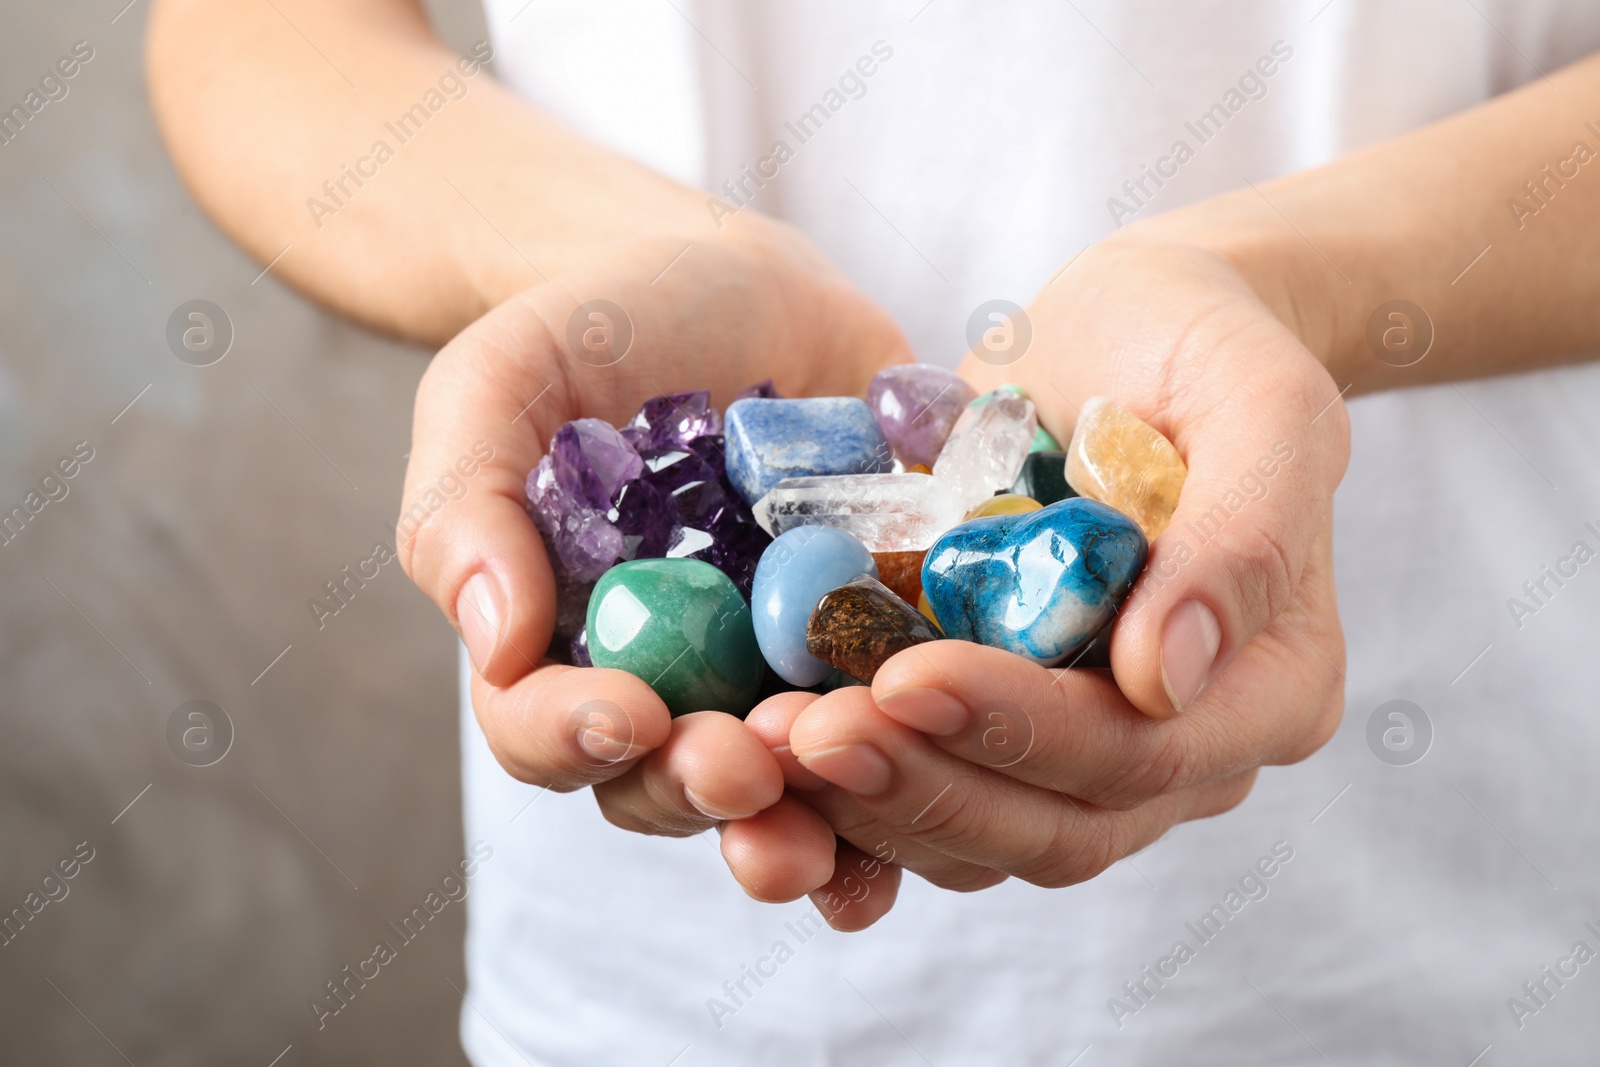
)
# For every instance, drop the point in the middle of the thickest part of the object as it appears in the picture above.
(975, 764)
(720, 309)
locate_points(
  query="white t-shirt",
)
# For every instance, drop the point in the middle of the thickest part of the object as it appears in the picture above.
(1407, 905)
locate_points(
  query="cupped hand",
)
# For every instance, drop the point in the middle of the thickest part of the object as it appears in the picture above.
(1227, 656)
(722, 310)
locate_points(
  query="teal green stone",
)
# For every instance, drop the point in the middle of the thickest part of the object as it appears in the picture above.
(681, 626)
(1044, 477)
(1044, 441)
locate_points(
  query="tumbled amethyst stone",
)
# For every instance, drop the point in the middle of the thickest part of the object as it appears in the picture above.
(916, 405)
(673, 420)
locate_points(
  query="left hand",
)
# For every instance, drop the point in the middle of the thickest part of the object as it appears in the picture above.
(974, 764)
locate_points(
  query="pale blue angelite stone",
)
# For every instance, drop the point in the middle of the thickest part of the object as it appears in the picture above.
(1041, 584)
(795, 572)
(770, 440)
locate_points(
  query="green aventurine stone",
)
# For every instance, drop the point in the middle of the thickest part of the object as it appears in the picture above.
(1044, 477)
(1044, 441)
(681, 625)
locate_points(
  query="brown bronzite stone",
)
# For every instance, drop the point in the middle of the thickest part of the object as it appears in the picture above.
(901, 572)
(859, 625)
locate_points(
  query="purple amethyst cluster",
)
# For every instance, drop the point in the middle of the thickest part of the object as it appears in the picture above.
(655, 488)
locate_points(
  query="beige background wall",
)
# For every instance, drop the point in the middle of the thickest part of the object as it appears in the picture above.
(177, 567)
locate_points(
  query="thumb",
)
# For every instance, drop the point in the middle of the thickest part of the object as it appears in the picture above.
(486, 404)
(1264, 459)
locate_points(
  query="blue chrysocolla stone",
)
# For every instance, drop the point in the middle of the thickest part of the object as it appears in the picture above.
(770, 440)
(1040, 584)
(796, 571)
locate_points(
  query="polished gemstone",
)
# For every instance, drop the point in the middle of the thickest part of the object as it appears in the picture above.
(1004, 504)
(986, 448)
(1044, 477)
(901, 572)
(770, 440)
(1041, 584)
(681, 626)
(916, 404)
(1044, 441)
(795, 571)
(926, 608)
(885, 512)
(1118, 459)
(859, 625)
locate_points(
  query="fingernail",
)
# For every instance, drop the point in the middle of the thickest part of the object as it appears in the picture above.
(933, 711)
(480, 610)
(603, 748)
(711, 811)
(795, 773)
(1189, 644)
(859, 769)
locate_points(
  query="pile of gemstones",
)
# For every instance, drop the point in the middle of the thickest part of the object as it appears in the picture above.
(799, 543)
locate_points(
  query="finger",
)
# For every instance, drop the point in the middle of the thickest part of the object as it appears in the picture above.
(1265, 446)
(859, 826)
(710, 769)
(970, 812)
(565, 728)
(485, 409)
(781, 853)
(862, 890)
(770, 721)
(1074, 732)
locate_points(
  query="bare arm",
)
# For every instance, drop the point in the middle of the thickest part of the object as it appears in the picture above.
(274, 111)
(1402, 220)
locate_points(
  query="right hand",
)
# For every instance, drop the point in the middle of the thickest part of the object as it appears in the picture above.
(755, 300)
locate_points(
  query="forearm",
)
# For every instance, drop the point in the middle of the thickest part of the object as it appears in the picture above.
(1406, 219)
(286, 119)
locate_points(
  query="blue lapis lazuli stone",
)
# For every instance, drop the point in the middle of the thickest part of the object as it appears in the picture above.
(1040, 584)
(796, 571)
(769, 440)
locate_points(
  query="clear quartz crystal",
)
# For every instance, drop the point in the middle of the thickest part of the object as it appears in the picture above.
(885, 512)
(986, 448)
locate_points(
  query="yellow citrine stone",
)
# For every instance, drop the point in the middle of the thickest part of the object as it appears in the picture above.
(926, 608)
(1120, 460)
(1004, 504)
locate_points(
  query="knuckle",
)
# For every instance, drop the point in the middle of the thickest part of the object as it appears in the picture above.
(1323, 727)
(962, 877)
(1262, 567)
(951, 820)
(1170, 766)
(1074, 851)
(1226, 796)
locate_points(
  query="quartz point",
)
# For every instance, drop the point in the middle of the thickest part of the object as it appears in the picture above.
(885, 512)
(987, 447)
